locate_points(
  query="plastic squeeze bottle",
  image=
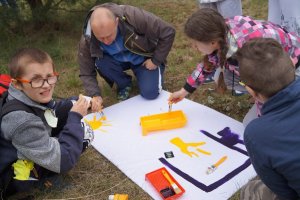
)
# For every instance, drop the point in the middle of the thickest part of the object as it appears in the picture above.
(118, 197)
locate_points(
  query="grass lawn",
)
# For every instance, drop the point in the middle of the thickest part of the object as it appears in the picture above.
(95, 177)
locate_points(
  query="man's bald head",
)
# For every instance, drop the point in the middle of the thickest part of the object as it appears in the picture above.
(102, 15)
(104, 25)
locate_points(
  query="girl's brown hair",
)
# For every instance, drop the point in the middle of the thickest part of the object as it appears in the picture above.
(24, 57)
(207, 25)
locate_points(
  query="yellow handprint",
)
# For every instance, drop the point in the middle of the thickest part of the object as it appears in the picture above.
(184, 147)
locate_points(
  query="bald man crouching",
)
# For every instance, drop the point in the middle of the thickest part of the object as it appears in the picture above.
(117, 38)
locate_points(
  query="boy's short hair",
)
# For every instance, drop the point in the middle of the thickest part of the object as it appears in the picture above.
(264, 66)
(24, 57)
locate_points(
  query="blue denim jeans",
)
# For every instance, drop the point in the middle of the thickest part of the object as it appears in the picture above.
(149, 81)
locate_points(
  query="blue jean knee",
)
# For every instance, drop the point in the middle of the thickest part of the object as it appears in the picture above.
(150, 81)
(113, 71)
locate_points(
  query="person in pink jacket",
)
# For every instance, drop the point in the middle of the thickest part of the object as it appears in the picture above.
(218, 39)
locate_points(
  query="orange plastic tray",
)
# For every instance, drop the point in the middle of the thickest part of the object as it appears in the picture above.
(159, 182)
(163, 121)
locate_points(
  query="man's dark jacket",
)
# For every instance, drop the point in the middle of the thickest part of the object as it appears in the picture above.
(144, 34)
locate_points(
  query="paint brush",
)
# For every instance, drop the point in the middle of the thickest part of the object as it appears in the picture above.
(101, 113)
(212, 168)
(176, 189)
(167, 192)
(170, 106)
(102, 116)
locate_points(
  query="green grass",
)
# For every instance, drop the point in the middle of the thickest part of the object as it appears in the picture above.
(94, 177)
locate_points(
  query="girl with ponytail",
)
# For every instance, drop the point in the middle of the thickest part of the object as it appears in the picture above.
(218, 39)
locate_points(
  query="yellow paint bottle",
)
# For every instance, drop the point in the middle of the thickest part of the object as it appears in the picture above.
(118, 197)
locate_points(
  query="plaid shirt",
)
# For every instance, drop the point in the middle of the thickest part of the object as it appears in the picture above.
(242, 29)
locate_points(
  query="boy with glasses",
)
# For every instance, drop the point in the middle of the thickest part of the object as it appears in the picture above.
(44, 138)
(273, 139)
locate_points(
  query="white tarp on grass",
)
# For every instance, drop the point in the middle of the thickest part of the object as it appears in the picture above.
(121, 141)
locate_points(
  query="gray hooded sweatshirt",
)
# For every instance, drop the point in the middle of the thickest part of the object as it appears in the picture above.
(31, 136)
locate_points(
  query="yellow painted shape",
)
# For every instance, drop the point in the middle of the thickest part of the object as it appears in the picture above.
(163, 121)
(184, 147)
(97, 123)
(204, 152)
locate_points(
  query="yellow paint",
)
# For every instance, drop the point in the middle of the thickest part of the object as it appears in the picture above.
(204, 152)
(184, 147)
(212, 168)
(97, 123)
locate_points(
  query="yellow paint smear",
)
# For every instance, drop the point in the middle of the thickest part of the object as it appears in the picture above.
(183, 146)
(97, 123)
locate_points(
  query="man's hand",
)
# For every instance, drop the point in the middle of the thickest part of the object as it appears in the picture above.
(96, 104)
(149, 64)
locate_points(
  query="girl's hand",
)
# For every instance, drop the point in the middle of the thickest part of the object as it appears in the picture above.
(81, 106)
(178, 96)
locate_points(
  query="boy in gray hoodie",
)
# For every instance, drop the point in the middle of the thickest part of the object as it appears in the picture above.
(47, 139)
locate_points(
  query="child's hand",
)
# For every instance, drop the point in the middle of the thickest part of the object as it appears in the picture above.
(81, 106)
(178, 96)
(96, 104)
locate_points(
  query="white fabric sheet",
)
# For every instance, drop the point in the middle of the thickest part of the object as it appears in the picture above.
(124, 145)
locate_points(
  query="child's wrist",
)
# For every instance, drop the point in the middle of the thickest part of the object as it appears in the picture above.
(184, 92)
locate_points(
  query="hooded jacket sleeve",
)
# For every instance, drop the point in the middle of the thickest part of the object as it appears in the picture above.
(88, 74)
(273, 165)
(32, 139)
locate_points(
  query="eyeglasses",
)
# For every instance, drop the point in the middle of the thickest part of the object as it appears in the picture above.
(39, 82)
